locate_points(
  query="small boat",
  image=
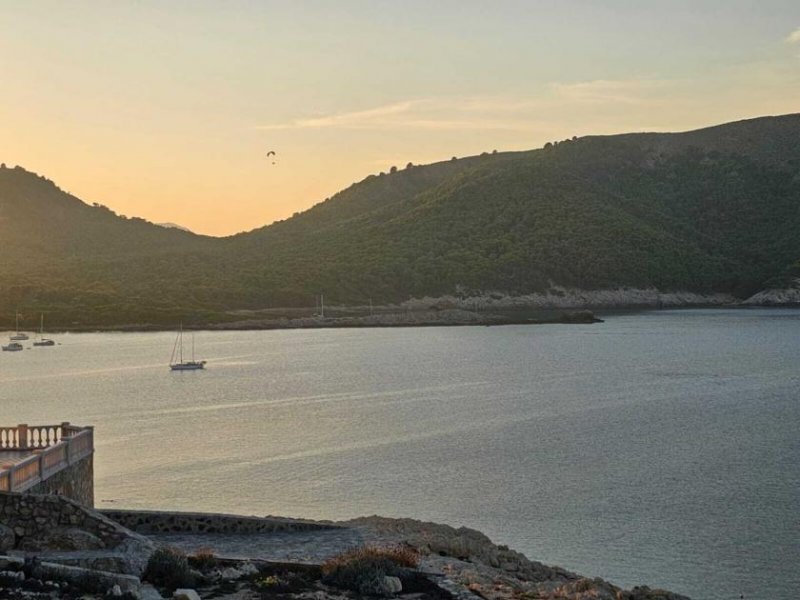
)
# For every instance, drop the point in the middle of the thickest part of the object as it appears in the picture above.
(18, 337)
(43, 341)
(13, 347)
(180, 364)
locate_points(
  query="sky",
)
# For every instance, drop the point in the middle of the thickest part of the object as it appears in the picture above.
(166, 109)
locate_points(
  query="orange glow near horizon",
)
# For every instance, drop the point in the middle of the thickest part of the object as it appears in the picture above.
(167, 113)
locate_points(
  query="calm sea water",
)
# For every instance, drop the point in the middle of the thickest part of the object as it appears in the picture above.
(657, 448)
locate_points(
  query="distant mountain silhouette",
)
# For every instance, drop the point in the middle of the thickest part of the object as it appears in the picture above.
(717, 209)
(174, 226)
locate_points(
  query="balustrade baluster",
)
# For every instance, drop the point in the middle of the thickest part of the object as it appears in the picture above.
(22, 433)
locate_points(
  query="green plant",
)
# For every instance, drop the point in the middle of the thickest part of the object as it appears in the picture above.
(363, 569)
(169, 568)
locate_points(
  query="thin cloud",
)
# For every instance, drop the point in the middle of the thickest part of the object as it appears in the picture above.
(464, 113)
(487, 113)
(794, 37)
(348, 120)
(602, 91)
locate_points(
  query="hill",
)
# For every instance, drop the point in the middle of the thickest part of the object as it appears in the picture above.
(712, 210)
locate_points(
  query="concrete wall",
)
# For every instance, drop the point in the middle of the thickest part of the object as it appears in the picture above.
(75, 482)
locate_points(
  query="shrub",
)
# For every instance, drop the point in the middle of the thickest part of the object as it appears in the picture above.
(203, 559)
(168, 568)
(363, 569)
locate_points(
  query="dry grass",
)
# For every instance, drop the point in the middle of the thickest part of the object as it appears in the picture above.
(363, 569)
(203, 559)
(401, 556)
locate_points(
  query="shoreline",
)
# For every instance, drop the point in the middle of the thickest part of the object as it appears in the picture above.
(391, 317)
(466, 558)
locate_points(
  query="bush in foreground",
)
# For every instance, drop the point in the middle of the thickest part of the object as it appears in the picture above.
(168, 568)
(203, 559)
(363, 569)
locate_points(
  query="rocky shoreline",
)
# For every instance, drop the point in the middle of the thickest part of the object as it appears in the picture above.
(246, 558)
(555, 306)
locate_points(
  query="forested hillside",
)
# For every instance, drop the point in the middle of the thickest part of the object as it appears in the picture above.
(716, 209)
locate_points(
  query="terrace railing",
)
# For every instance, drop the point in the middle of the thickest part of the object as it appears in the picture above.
(51, 448)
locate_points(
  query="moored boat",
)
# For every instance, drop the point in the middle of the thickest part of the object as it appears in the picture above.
(41, 340)
(18, 336)
(177, 352)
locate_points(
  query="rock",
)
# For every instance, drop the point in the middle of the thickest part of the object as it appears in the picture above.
(75, 575)
(148, 592)
(7, 538)
(230, 573)
(135, 551)
(115, 591)
(185, 594)
(15, 562)
(392, 585)
(247, 568)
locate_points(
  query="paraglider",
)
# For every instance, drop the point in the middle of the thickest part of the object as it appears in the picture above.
(271, 153)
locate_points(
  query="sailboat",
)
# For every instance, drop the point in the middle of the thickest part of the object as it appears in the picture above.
(43, 341)
(18, 337)
(180, 364)
(13, 347)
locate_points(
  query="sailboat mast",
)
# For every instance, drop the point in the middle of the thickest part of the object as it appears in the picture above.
(181, 337)
(322, 306)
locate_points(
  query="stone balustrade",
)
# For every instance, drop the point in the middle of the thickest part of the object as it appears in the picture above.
(45, 450)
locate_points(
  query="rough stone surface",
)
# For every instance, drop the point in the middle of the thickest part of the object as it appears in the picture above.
(787, 296)
(55, 571)
(283, 546)
(148, 592)
(392, 585)
(7, 538)
(62, 538)
(461, 543)
(75, 481)
(185, 594)
(53, 525)
(157, 522)
(559, 297)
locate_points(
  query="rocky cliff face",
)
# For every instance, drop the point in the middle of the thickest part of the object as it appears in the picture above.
(786, 296)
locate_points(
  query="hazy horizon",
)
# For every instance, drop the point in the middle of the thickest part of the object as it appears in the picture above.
(167, 112)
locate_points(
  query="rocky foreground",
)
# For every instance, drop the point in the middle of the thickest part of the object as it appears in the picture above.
(473, 562)
(188, 556)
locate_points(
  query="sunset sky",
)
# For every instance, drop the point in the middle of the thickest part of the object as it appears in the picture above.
(166, 110)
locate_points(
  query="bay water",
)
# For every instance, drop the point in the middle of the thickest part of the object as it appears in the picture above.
(658, 448)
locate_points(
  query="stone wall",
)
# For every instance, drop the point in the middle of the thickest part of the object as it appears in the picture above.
(36, 517)
(75, 481)
(147, 522)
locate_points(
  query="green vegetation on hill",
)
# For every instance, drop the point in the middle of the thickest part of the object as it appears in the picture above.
(713, 210)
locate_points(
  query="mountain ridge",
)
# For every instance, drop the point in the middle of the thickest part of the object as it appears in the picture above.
(712, 210)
